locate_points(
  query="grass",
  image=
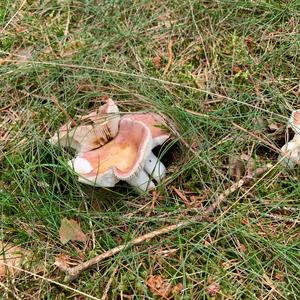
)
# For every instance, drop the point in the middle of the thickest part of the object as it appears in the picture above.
(233, 62)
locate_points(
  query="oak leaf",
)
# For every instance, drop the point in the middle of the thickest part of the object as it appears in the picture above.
(70, 231)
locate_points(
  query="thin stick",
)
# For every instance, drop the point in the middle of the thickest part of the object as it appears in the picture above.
(51, 281)
(72, 273)
(235, 186)
(276, 149)
(170, 57)
(105, 293)
(11, 19)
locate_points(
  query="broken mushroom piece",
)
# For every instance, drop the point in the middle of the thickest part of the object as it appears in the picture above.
(97, 129)
(291, 150)
(123, 158)
(159, 133)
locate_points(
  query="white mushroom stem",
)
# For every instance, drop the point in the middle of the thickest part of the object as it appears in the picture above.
(291, 152)
(141, 180)
(155, 168)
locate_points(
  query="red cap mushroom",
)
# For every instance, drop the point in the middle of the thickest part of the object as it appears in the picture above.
(123, 158)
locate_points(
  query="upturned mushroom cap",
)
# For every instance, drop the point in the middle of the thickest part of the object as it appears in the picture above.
(155, 123)
(121, 159)
(97, 129)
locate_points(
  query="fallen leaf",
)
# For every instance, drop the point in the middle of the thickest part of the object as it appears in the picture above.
(245, 221)
(70, 231)
(177, 288)
(236, 168)
(156, 62)
(249, 41)
(242, 248)
(12, 256)
(213, 289)
(159, 286)
(236, 69)
(62, 261)
(273, 126)
(23, 55)
(279, 276)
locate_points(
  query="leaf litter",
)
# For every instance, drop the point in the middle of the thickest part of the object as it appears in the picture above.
(11, 259)
(159, 286)
(70, 231)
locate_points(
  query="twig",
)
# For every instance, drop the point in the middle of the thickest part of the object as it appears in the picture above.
(14, 15)
(246, 179)
(276, 149)
(182, 197)
(73, 272)
(108, 285)
(170, 57)
(49, 280)
(279, 218)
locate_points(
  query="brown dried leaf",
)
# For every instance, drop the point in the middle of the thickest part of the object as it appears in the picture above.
(12, 256)
(242, 248)
(236, 69)
(23, 55)
(213, 289)
(279, 276)
(273, 126)
(236, 168)
(159, 286)
(177, 289)
(156, 62)
(62, 261)
(70, 231)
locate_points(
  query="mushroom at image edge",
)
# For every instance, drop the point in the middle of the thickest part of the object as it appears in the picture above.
(102, 126)
(291, 150)
(125, 158)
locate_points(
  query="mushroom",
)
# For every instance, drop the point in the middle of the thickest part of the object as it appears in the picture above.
(291, 150)
(155, 123)
(123, 158)
(97, 129)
